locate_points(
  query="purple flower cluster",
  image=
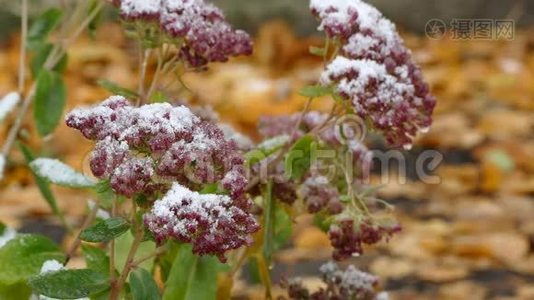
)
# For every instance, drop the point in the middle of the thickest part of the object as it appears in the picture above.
(201, 28)
(350, 283)
(211, 223)
(143, 150)
(348, 239)
(374, 70)
(320, 194)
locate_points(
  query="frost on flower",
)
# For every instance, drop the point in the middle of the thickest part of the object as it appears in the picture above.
(59, 173)
(213, 224)
(8, 103)
(375, 71)
(200, 27)
(143, 150)
(350, 283)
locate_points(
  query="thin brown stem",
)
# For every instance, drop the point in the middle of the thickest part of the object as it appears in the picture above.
(143, 63)
(112, 267)
(23, 42)
(54, 57)
(160, 250)
(77, 241)
(117, 286)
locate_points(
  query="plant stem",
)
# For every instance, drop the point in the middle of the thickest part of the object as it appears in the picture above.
(112, 267)
(143, 63)
(51, 61)
(23, 41)
(157, 73)
(117, 286)
(88, 220)
(160, 250)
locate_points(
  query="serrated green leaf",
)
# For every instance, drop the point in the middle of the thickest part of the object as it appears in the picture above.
(192, 277)
(69, 284)
(143, 286)
(43, 26)
(42, 184)
(298, 159)
(116, 89)
(50, 98)
(318, 51)
(40, 55)
(314, 91)
(24, 255)
(96, 259)
(105, 230)
(59, 173)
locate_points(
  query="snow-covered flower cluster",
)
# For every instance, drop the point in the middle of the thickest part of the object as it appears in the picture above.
(143, 150)
(199, 28)
(350, 283)
(374, 70)
(211, 223)
(348, 237)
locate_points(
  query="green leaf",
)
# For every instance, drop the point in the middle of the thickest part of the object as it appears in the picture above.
(116, 89)
(313, 91)
(42, 184)
(24, 255)
(318, 51)
(283, 227)
(192, 277)
(59, 173)
(96, 259)
(50, 97)
(69, 284)
(143, 286)
(299, 158)
(105, 231)
(123, 245)
(15, 291)
(43, 26)
(40, 56)
(105, 193)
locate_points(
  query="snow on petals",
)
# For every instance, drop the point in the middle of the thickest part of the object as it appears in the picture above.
(199, 27)
(375, 71)
(211, 223)
(143, 150)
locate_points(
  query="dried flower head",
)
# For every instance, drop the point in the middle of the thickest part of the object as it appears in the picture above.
(213, 224)
(199, 28)
(143, 150)
(348, 237)
(374, 70)
(350, 283)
